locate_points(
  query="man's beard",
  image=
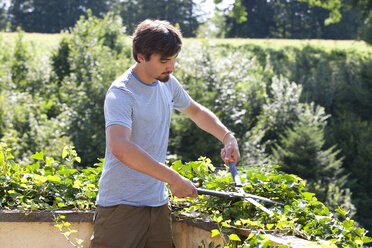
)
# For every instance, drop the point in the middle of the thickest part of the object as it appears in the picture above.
(164, 77)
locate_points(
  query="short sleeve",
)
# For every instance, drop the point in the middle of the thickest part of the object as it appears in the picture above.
(180, 97)
(118, 108)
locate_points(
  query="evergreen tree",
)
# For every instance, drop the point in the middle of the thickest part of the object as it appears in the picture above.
(301, 151)
(19, 68)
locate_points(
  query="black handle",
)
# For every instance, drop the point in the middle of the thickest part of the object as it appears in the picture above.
(214, 193)
(234, 195)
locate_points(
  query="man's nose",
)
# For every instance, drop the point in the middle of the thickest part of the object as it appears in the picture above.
(171, 64)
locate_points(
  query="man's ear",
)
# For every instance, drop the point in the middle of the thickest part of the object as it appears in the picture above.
(140, 57)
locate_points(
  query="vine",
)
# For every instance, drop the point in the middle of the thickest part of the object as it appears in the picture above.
(302, 215)
(48, 184)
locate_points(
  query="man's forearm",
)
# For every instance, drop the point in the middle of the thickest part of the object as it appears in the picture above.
(208, 121)
(137, 159)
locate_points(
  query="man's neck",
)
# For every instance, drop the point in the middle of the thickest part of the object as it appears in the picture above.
(141, 74)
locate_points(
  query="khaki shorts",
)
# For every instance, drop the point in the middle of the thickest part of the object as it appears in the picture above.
(124, 226)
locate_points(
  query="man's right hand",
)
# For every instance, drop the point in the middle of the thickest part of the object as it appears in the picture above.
(182, 187)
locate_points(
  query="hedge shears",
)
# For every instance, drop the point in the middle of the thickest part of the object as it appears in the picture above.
(240, 192)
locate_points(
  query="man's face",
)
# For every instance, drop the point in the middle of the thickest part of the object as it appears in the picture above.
(159, 67)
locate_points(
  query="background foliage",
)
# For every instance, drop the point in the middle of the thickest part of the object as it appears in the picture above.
(298, 106)
(299, 19)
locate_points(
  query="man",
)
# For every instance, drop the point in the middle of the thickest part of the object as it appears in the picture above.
(132, 202)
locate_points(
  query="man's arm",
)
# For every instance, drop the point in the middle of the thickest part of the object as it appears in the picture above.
(209, 122)
(137, 159)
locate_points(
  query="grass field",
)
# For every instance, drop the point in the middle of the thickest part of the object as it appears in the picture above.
(50, 41)
(280, 43)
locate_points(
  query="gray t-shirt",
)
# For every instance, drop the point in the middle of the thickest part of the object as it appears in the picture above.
(146, 110)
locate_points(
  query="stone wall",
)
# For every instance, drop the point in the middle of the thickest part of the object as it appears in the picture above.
(37, 230)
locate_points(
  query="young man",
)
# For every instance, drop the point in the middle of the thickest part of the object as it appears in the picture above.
(132, 203)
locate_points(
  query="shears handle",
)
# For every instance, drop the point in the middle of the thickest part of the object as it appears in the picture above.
(234, 173)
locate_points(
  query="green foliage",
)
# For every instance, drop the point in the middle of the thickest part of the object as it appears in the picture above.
(26, 126)
(259, 91)
(85, 64)
(293, 19)
(280, 109)
(303, 215)
(182, 13)
(354, 137)
(338, 80)
(241, 18)
(230, 84)
(46, 183)
(19, 68)
(301, 151)
(50, 184)
(32, 118)
(52, 16)
(60, 62)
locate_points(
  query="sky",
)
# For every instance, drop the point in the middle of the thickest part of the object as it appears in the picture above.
(208, 6)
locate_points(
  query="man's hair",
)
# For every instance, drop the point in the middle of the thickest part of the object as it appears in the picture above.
(156, 37)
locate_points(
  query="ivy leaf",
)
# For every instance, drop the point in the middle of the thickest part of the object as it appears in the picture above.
(77, 184)
(38, 156)
(224, 224)
(269, 226)
(266, 242)
(218, 219)
(79, 241)
(64, 152)
(341, 211)
(35, 166)
(215, 232)
(366, 240)
(78, 159)
(308, 196)
(234, 237)
(54, 179)
(238, 223)
(244, 221)
(251, 235)
(61, 205)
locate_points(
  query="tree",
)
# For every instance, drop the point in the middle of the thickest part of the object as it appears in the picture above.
(301, 151)
(182, 13)
(95, 54)
(289, 19)
(3, 16)
(336, 8)
(52, 16)
(258, 23)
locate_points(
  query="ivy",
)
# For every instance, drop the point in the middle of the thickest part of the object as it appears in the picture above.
(302, 215)
(48, 184)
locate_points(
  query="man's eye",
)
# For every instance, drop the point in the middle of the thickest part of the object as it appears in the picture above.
(163, 61)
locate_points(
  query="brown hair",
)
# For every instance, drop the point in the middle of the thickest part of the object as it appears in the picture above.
(156, 37)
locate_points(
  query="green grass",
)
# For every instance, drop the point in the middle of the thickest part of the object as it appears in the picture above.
(40, 45)
(278, 44)
(46, 42)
